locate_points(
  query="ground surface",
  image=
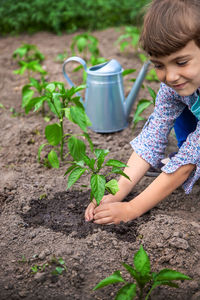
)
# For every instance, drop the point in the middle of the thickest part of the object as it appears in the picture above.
(35, 228)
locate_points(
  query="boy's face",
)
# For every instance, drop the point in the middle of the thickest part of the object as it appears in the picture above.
(180, 70)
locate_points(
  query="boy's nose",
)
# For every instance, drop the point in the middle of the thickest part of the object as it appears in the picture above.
(171, 76)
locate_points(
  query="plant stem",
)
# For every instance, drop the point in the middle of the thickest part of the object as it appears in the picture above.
(62, 141)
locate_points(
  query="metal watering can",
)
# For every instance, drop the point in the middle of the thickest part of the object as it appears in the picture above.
(105, 104)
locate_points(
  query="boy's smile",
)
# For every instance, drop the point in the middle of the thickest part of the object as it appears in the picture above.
(180, 70)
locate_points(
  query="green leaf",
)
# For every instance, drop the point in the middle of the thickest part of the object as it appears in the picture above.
(98, 152)
(167, 274)
(128, 71)
(76, 148)
(142, 262)
(40, 150)
(114, 278)
(97, 183)
(152, 93)
(141, 106)
(86, 135)
(115, 163)
(50, 87)
(53, 134)
(74, 176)
(131, 270)
(27, 95)
(127, 292)
(33, 102)
(53, 159)
(79, 117)
(168, 283)
(123, 45)
(70, 169)
(116, 170)
(112, 186)
(100, 160)
(89, 162)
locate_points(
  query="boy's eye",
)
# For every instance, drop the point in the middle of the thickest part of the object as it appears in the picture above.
(156, 66)
(181, 63)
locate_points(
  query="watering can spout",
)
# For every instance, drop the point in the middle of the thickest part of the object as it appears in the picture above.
(135, 89)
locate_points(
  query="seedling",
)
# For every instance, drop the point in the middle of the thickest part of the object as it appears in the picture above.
(29, 58)
(28, 91)
(55, 266)
(84, 43)
(28, 52)
(93, 167)
(144, 281)
(130, 37)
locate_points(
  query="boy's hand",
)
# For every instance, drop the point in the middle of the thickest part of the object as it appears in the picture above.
(89, 212)
(113, 213)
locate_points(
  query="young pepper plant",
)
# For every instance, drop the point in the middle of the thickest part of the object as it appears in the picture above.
(144, 281)
(28, 57)
(94, 167)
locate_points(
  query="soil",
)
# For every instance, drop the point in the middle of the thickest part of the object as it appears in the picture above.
(42, 222)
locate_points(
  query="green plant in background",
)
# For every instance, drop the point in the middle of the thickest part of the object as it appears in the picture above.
(84, 44)
(142, 105)
(28, 57)
(130, 37)
(68, 16)
(28, 91)
(144, 281)
(28, 52)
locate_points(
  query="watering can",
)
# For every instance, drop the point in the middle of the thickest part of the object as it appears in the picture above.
(105, 104)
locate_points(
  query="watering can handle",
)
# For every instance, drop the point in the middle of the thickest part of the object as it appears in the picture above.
(73, 58)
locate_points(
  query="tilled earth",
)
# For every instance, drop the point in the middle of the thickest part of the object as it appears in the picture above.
(41, 222)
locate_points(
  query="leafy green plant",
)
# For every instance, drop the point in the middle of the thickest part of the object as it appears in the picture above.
(28, 53)
(85, 43)
(142, 105)
(94, 167)
(67, 16)
(56, 266)
(28, 57)
(130, 37)
(144, 281)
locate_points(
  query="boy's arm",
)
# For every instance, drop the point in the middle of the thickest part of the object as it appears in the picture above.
(160, 188)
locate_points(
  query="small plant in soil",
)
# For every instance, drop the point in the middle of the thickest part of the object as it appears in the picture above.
(130, 37)
(85, 43)
(55, 266)
(94, 167)
(144, 282)
(28, 52)
(29, 58)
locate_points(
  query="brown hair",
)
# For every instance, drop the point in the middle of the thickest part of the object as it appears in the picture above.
(169, 25)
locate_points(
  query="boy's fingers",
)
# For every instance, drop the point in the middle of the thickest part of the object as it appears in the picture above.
(89, 212)
(105, 221)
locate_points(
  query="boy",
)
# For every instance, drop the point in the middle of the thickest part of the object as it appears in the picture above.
(171, 37)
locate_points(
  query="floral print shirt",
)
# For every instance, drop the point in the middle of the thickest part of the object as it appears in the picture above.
(150, 144)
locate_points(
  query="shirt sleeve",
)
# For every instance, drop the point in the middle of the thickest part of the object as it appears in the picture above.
(189, 153)
(150, 144)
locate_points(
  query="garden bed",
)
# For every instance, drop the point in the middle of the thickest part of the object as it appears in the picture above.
(40, 220)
